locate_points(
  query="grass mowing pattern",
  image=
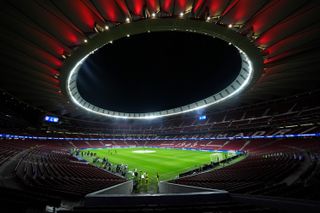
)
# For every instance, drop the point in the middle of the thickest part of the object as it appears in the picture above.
(169, 163)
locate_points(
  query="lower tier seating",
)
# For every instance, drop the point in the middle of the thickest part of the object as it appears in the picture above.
(252, 173)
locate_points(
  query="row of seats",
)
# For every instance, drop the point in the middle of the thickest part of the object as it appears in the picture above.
(50, 170)
(44, 169)
(252, 173)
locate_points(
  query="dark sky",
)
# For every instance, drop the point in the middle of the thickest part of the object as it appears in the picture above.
(157, 71)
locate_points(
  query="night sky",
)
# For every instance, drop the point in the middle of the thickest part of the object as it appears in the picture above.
(157, 71)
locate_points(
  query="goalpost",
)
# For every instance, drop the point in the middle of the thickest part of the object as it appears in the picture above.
(214, 157)
(219, 156)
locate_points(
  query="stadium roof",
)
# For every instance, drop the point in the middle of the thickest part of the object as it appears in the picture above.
(38, 38)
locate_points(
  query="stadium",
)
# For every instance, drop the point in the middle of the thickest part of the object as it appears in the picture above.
(160, 106)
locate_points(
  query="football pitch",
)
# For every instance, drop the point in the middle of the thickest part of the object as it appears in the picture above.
(168, 163)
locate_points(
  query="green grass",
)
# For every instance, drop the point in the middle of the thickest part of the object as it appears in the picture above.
(169, 163)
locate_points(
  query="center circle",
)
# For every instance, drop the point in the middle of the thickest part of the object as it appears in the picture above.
(143, 151)
(157, 71)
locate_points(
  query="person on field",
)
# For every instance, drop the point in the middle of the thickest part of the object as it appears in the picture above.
(146, 178)
(143, 177)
